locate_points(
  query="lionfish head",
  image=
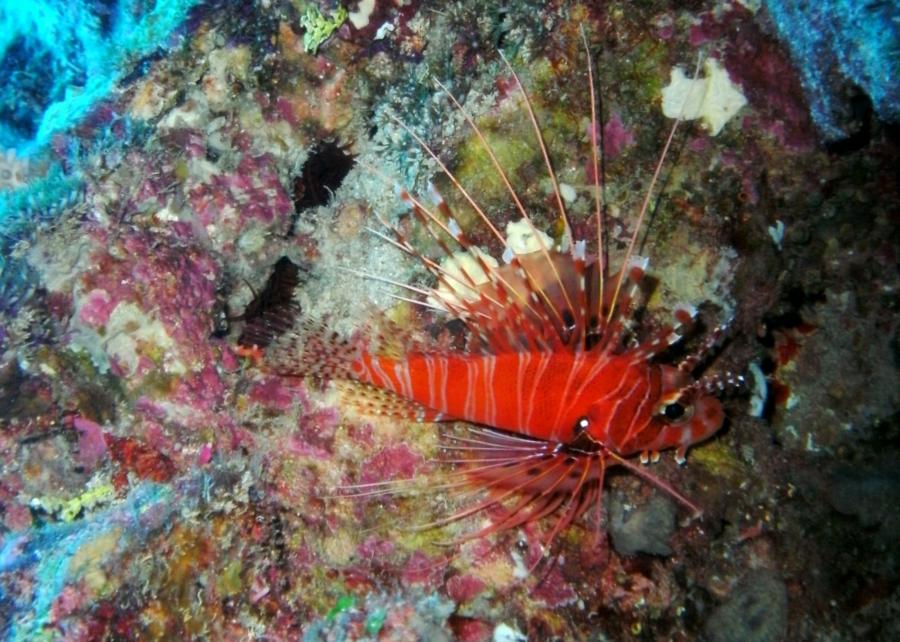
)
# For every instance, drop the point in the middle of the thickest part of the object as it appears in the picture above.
(689, 410)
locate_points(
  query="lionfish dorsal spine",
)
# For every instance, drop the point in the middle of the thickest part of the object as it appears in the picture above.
(427, 218)
(567, 232)
(558, 301)
(502, 174)
(594, 138)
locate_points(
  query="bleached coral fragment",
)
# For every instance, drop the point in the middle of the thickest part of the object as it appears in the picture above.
(460, 268)
(759, 391)
(714, 99)
(523, 238)
(697, 275)
(226, 65)
(777, 233)
(360, 16)
(505, 633)
(150, 98)
(129, 335)
(133, 333)
(193, 113)
(568, 193)
(254, 239)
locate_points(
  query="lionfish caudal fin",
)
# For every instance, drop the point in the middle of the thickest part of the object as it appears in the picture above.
(293, 346)
(289, 345)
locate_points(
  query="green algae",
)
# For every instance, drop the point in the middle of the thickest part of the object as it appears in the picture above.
(513, 150)
(343, 603)
(66, 510)
(318, 28)
(717, 458)
(646, 80)
(509, 133)
(158, 383)
(229, 580)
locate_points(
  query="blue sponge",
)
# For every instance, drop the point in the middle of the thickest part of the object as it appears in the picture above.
(834, 42)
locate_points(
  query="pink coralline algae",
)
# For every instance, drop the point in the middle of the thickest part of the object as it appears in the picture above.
(373, 549)
(554, 590)
(273, 393)
(169, 284)
(205, 388)
(205, 455)
(763, 69)
(317, 426)
(252, 192)
(391, 462)
(616, 137)
(424, 570)
(464, 588)
(91, 443)
(237, 504)
(96, 308)
(300, 447)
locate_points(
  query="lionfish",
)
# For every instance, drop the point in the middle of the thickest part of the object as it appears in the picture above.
(553, 380)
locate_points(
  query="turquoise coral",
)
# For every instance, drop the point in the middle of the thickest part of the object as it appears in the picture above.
(86, 57)
(49, 552)
(842, 38)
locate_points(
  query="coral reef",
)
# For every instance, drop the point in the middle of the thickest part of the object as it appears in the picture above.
(57, 59)
(838, 44)
(156, 483)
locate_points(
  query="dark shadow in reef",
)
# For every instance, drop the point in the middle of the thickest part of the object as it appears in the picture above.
(273, 310)
(323, 173)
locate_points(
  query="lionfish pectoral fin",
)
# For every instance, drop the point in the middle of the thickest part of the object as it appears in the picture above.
(386, 488)
(527, 509)
(522, 481)
(367, 399)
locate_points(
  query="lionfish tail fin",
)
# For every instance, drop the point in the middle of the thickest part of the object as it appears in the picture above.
(312, 349)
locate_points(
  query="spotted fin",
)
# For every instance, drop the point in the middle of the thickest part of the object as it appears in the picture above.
(310, 349)
(369, 400)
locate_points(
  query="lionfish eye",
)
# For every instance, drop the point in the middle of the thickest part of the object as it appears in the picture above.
(582, 425)
(674, 411)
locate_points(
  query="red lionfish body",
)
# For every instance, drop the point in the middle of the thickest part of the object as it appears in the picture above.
(552, 375)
